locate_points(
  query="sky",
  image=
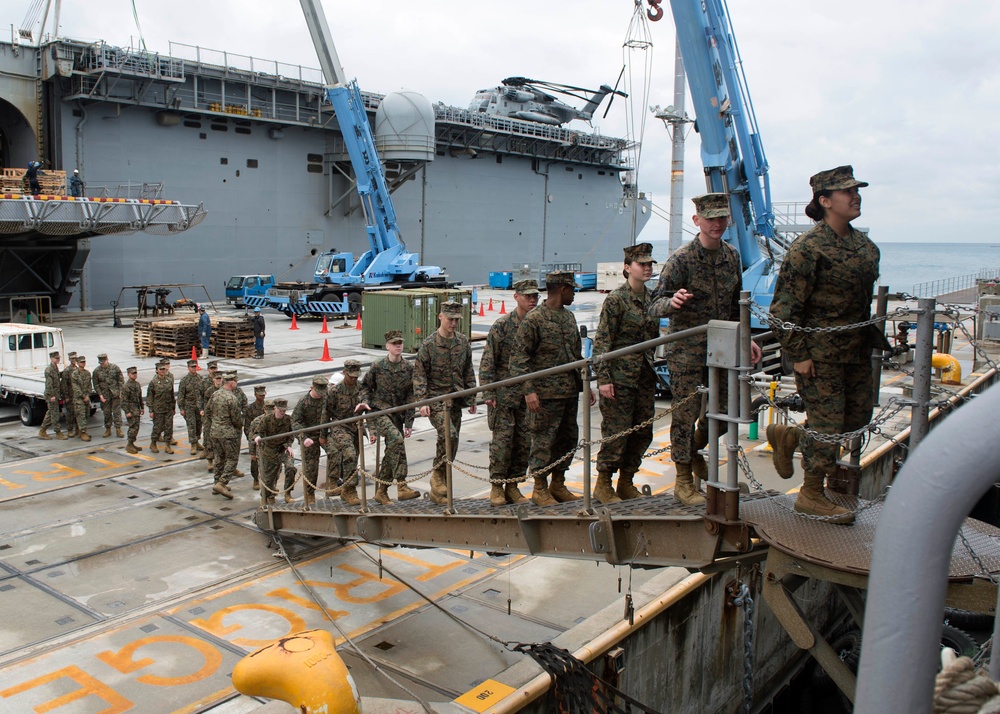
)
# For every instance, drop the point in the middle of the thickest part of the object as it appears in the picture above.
(907, 91)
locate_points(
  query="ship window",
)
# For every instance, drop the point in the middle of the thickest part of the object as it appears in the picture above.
(202, 135)
(580, 176)
(224, 161)
(569, 168)
(220, 127)
(314, 168)
(314, 158)
(601, 173)
(192, 124)
(499, 158)
(241, 130)
(251, 163)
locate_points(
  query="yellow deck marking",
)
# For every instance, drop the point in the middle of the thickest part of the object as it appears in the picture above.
(485, 695)
(123, 662)
(214, 624)
(8, 484)
(111, 464)
(89, 685)
(64, 471)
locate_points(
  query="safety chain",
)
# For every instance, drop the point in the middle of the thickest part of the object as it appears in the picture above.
(745, 600)
(975, 557)
(979, 350)
(775, 323)
(642, 425)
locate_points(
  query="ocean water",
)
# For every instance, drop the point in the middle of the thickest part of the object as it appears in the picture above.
(904, 265)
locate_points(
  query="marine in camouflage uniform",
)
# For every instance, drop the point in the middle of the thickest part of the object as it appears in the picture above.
(274, 452)
(388, 383)
(342, 442)
(190, 401)
(507, 414)
(701, 281)
(627, 384)
(108, 383)
(826, 280)
(252, 411)
(170, 375)
(161, 402)
(66, 392)
(51, 395)
(227, 428)
(212, 385)
(443, 366)
(548, 337)
(81, 397)
(132, 405)
(309, 412)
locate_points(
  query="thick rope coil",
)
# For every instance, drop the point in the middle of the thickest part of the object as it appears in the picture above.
(958, 689)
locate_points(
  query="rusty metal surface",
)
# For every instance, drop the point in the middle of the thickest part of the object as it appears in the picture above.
(849, 548)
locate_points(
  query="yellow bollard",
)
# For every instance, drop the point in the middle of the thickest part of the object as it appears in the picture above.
(302, 669)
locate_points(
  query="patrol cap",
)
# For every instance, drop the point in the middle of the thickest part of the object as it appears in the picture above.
(835, 180)
(558, 279)
(72, 355)
(132, 370)
(101, 357)
(81, 358)
(320, 382)
(269, 403)
(352, 367)
(451, 309)
(165, 362)
(639, 253)
(192, 363)
(394, 336)
(229, 377)
(281, 403)
(260, 389)
(217, 375)
(54, 355)
(712, 205)
(213, 364)
(526, 287)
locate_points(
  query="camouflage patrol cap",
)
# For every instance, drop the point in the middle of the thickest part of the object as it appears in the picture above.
(81, 358)
(836, 179)
(394, 336)
(213, 364)
(320, 382)
(451, 309)
(352, 367)
(712, 205)
(260, 389)
(558, 279)
(132, 370)
(72, 355)
(192, 363)
(229, 377)
(269, 403)
(217, 375)
(639, 253)
(54, 355)
(526, 287)
(281, 403)
(101, 357)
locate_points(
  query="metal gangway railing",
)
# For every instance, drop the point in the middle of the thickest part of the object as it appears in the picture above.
(934, 288)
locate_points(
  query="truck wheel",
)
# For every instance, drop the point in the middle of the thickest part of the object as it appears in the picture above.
(287, 313)
(30, 416)
(353, 304)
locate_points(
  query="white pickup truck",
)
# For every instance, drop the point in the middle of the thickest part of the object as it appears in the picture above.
(24, 355)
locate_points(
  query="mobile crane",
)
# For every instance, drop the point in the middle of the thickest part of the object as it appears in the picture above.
(339, 278)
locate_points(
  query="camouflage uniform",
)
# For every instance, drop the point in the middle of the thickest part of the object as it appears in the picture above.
(715, 278)
(251, 413)
(386, 385)
(132, 405)
(549, 338)
(274, 453)
(206, 395)
(51, 398)
(108, 382)
(190, 401)
(444, 366)
(827, 280)
(309, 412)
(66, 393)
(81, 398)
(508, 420)
(342, 442)
(624, 322)
(161, 403)
(227, 426)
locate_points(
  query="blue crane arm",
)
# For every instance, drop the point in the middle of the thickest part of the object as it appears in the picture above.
(731, 150)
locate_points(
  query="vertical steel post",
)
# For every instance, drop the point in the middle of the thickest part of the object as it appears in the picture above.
(922, 371)
(447, 452)
(586, 438)
(746, 366)
(881, 306)
(713, 424)
(362, 481)
(733, 429)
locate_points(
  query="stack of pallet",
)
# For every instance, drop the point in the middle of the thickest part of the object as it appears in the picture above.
(52, 183)
(232, 338)
(142, 336)
(172, 337)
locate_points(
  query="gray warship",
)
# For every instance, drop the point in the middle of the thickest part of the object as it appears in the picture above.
(253, 143)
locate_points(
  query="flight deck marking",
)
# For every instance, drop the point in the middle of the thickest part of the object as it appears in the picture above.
(66, 472)
(89, 685)
(485, 695)
(123, 662)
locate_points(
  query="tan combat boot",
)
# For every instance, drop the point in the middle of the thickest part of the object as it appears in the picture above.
(497, 496)
(559, 491)
(288, 495)
(211, 467)
(194, 448)
(684, 490)
(812, 501)
(152, 446)
(43, 434)
(349, 495)
(603, 491)
(223, 490)
(84, 436)
(130, 448)
(513, 494)
(403, 491)
(167, 449)
(382, 495)
(541, 496)
(699, 467)
(256, 485)
(308, 500)
(107, 432)
(118, 432)
(626, 489)
(439, 485)
(783, 439)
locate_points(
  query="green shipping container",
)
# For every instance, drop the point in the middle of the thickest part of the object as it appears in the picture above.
(438, 296)
(404, 310)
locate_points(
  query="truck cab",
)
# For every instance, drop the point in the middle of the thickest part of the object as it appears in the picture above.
(24, 355)
(239, 287)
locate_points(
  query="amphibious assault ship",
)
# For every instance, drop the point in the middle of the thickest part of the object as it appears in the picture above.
(253, 142)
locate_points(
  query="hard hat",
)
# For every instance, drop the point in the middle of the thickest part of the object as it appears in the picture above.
(76, 171)
(256, 309)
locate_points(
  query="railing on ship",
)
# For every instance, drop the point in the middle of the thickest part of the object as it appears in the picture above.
(934, 288)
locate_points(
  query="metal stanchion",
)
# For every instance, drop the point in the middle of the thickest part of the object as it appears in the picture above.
(922, 371)
(586, 440)
(447, 450)
(362, 481)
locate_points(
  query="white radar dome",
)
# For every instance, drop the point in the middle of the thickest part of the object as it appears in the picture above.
(404, 127)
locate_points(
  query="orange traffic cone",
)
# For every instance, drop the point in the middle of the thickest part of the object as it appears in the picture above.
(357, 325)
(503, 307)
(194, 356)
(295, 325)
(490, 308)
(325, 330)
(326, 353)
(482, 312)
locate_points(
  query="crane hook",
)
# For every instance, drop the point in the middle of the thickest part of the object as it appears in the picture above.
(655, 12)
